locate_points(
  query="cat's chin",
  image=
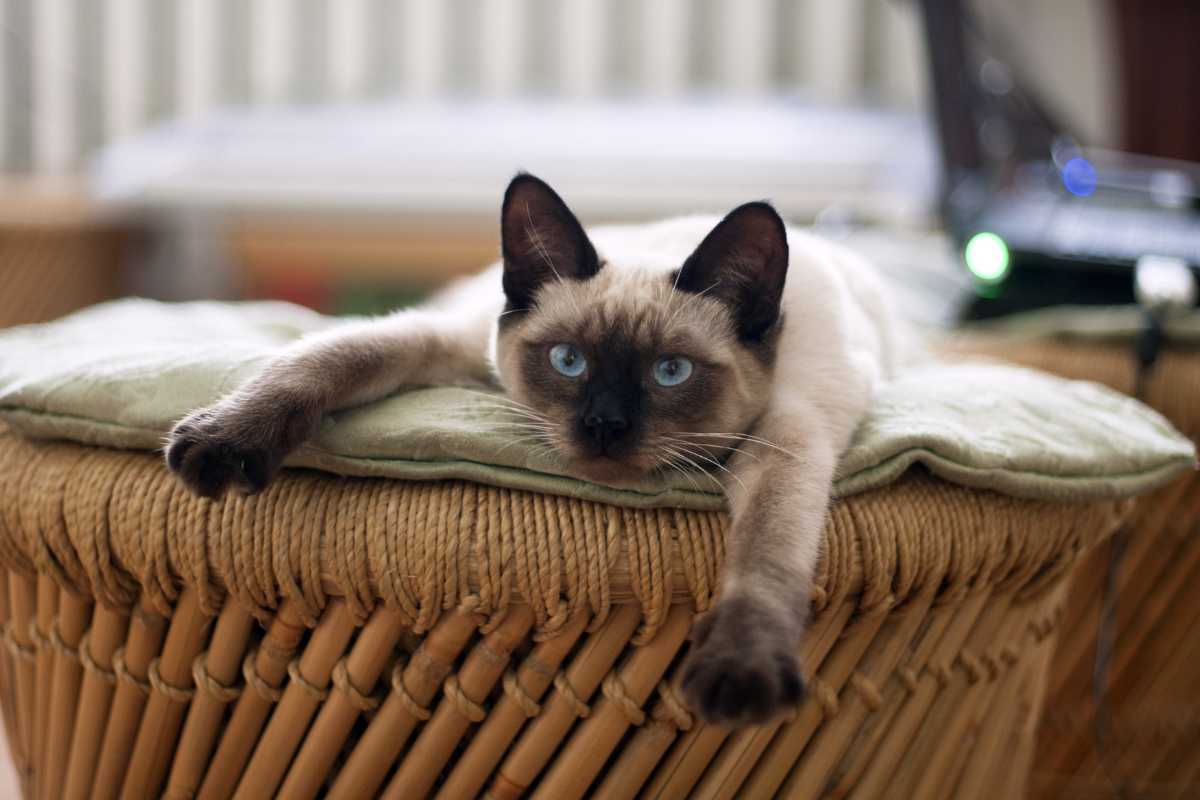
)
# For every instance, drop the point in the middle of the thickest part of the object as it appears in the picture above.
(608, 471)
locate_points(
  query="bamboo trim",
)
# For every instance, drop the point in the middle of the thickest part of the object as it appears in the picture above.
(202, 728)
(73, 620)
(267, 669)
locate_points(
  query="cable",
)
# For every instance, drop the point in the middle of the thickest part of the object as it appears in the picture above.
(1147, 346)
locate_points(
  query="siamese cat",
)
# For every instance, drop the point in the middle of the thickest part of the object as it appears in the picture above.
(735, 345)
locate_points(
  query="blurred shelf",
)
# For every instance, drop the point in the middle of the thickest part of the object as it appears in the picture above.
(51, 203)
(611, 160)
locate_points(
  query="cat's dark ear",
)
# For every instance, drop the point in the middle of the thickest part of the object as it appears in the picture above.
(541, 240)
(742, 262)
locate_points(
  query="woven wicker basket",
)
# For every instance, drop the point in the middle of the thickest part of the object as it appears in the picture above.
(351, 636)
(1150, 745)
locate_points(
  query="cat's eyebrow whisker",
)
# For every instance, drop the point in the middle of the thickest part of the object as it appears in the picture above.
(535, 238)
(670, 299)
(691, 298)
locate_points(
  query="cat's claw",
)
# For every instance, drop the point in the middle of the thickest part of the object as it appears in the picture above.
(211, 453)
(743, 667)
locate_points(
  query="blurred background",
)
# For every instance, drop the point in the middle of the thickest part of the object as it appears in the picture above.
(350, 155)
(991, 156)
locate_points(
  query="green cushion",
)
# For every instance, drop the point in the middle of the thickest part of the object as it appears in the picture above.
(121, 373)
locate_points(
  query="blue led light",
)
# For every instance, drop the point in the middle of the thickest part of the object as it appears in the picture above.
(1079, 176)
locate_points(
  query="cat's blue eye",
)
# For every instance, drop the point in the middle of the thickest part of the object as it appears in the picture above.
(567, 359)
(672, 370)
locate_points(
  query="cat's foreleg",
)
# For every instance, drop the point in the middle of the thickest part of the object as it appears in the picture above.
(241, 440)
(744, 665)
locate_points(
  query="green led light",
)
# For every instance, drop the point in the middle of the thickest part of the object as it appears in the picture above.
(986, 255)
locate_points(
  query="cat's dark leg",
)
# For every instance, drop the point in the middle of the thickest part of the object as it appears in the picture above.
(744, 666)
(242, 439)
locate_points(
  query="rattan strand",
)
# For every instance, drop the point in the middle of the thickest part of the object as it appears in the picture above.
(180, 694)
(269, 693)
(123, 674)
(211, 686)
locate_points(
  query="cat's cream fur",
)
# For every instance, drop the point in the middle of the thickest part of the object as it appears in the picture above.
(770, 417)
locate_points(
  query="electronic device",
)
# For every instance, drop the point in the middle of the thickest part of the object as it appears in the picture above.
(1040, 219)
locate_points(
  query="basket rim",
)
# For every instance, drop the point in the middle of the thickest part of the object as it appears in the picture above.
(312, 536)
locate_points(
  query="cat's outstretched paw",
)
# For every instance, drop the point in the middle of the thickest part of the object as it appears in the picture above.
(743, 667)
(215, 449)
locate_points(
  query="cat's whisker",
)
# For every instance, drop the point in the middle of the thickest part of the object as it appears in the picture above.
(671, 463)
(500, 407)
(489, 408)
(535, 439)
(706, 446)
(747, 438)
(709, 459)
(682, 457)
(498, 396)
(485, 422)
(684, 473)
(519, 415)
(548, 450)
(499, 401)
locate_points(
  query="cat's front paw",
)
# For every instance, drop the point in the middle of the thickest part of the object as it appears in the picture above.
(218, 448)
(744, 667)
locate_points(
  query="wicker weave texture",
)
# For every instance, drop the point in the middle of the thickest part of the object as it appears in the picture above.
(349, 636)
(1148, 742)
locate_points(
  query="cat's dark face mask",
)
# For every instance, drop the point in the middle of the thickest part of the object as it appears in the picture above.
(621, 372)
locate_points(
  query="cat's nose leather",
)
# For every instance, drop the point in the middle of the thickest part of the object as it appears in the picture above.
(605, 420)
(606, 429)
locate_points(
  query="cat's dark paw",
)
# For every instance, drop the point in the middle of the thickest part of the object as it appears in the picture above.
(212, 450)
(744, 666)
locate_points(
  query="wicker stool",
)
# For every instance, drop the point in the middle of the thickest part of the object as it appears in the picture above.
(1151, 743)
(354, 636)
